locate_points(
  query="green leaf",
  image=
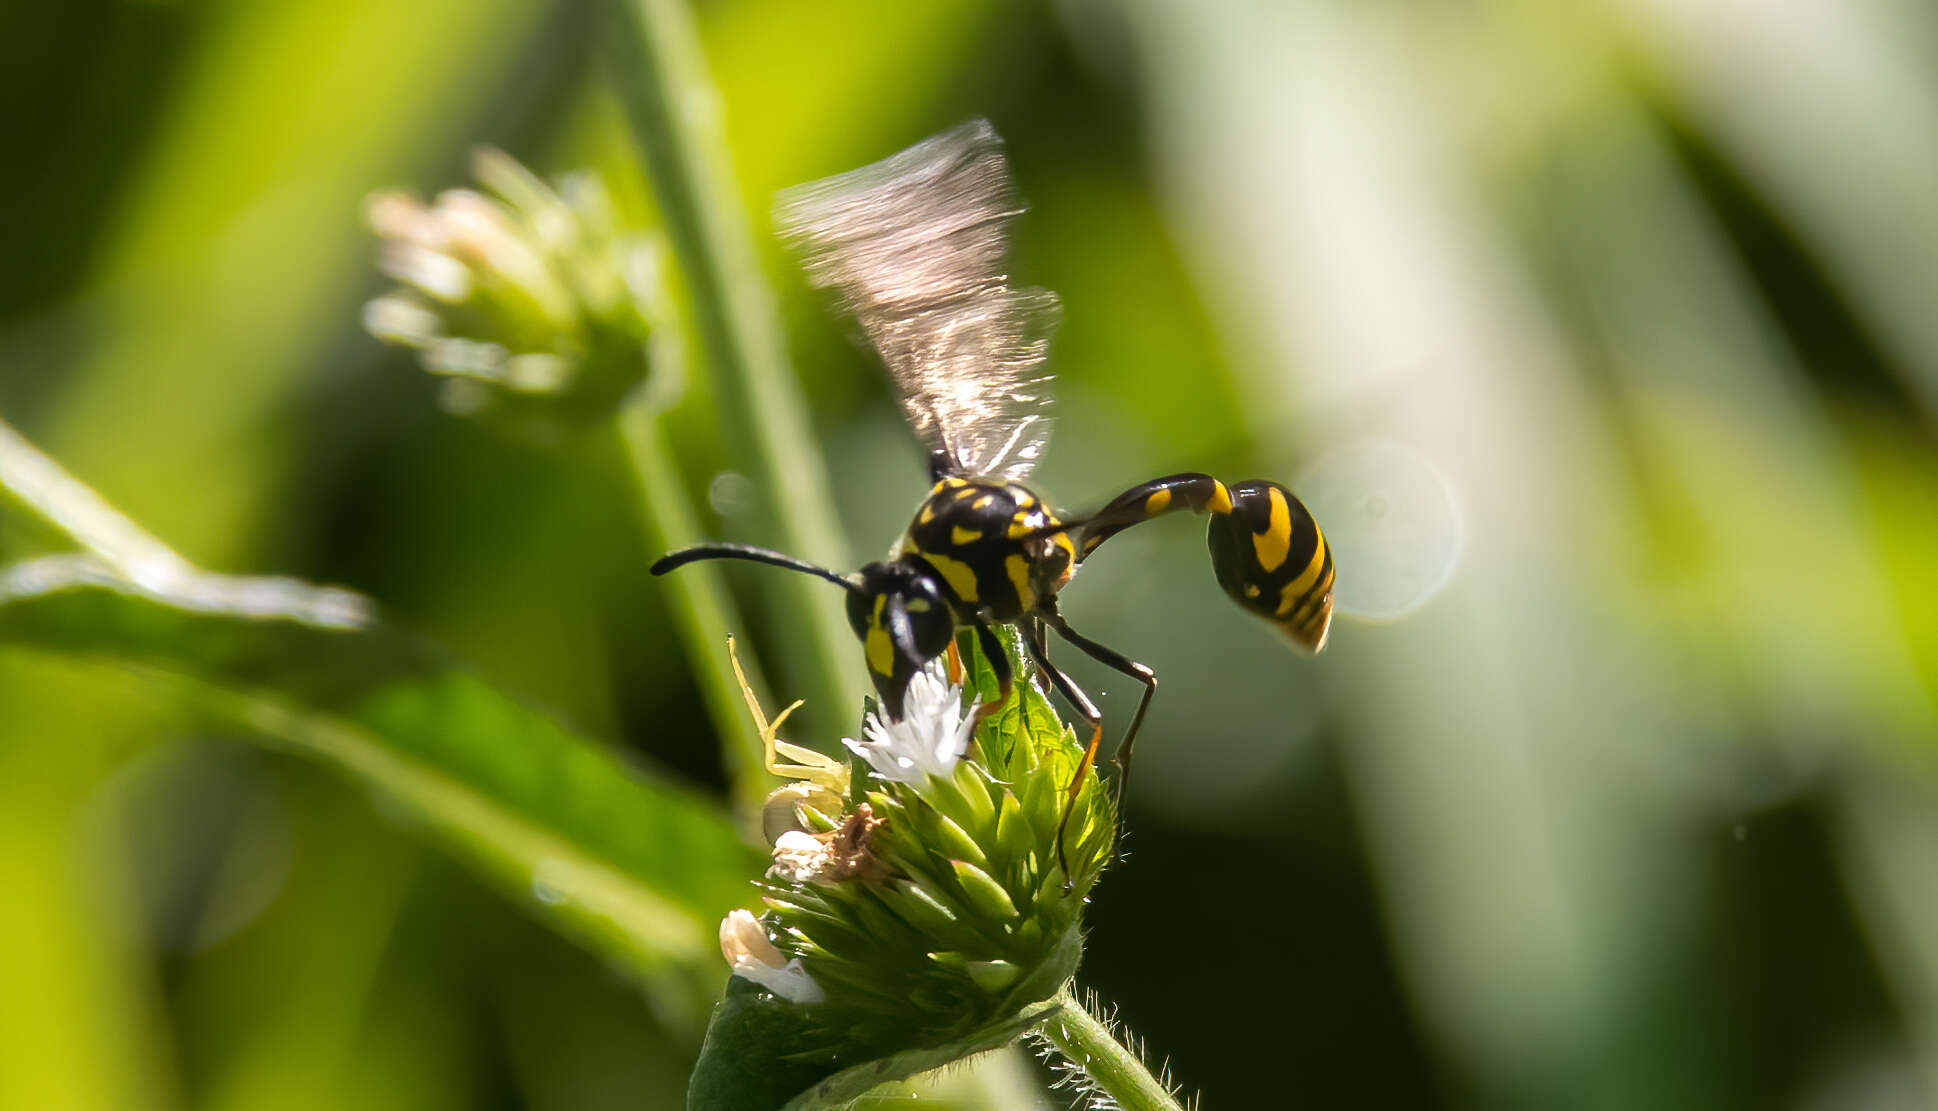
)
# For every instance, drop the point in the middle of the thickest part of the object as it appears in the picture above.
(634, 866)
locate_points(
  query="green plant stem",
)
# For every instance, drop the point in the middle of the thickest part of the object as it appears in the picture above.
(702, 608)
(659, 73)
(1119, 1073)
(39, 485)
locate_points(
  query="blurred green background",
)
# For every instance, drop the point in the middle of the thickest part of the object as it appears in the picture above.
(1641, 811)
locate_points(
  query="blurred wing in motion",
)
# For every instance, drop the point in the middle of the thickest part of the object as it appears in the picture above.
(1394, 524)
(917, 246)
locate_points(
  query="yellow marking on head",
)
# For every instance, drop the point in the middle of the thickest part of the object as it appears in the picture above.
(951, 483)
(965, 490)
(881, 651)
(960, 536)
(1271, 545)
(960, 578)
(1019, 577)
(1024, 499)
(918, 605)
(928, 512)
(1157, 503)
(982, 502)
(1220, 502)
(878, 646)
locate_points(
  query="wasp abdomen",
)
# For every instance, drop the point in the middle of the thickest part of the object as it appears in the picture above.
(1271, 558)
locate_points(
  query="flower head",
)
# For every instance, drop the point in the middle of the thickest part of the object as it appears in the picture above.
(525, 299)
(933, 734)
(933, 905)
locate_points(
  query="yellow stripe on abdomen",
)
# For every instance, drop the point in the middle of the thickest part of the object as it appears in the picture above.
(1298, 587)
(1272, 545)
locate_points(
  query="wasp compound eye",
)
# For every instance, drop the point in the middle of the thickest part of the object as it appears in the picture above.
(1271, 558)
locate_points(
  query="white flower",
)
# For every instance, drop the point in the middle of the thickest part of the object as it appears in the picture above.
(932, 735)
(743, 941)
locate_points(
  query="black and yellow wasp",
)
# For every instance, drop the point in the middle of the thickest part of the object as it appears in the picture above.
(916, 247)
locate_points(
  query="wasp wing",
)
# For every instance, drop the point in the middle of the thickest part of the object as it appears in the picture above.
(917, 247)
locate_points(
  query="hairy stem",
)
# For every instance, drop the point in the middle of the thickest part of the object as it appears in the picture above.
(702, 608)
(659, 73)
(1087, 1042)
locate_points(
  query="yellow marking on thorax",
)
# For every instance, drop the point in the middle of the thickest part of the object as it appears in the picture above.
(982, 502)
(1157, 503)
(881, 651)
(1272, 545)
(1069, 559)
(1022, 524)
(1220, 502)
(960, 578)
(960, 536)
(1019, 577)
(928, 512)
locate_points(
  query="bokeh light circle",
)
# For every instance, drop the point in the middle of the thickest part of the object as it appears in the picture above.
(1395, 526)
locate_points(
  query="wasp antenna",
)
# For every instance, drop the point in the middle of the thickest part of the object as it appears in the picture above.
(750, 554)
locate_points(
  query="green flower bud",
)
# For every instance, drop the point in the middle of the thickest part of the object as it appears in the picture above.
(531, 303)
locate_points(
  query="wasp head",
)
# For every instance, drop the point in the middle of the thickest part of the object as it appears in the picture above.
(903, 622)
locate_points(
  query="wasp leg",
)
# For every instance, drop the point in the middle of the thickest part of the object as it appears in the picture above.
(992, 650)
(1200, 493)
(1119, 662)
(955, 664)
(1033, 633)
(1038, 645)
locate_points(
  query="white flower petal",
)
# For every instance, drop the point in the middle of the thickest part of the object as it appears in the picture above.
(744, 942)
(789, 981)
(930, 738)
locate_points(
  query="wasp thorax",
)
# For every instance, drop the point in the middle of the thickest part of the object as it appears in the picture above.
(995, 546)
